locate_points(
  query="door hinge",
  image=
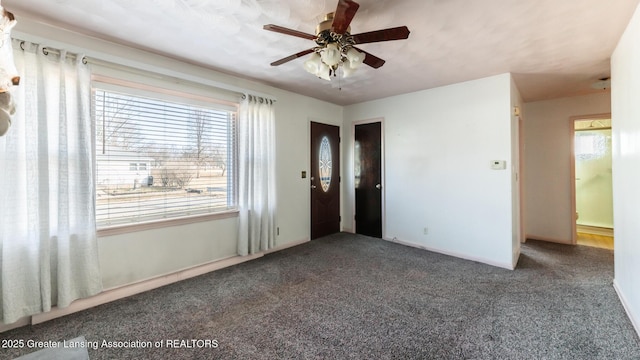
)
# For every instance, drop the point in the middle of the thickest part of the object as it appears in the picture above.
(339, 218)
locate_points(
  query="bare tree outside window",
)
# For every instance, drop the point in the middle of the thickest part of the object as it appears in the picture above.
(220, 159)
(201, 152)
(114, 124)
(180, 152)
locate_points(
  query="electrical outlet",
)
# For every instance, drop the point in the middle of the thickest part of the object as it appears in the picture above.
(426, 231)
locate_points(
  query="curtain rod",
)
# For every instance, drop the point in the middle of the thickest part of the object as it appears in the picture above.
(258, 98)
(49, 50)
(157, 74)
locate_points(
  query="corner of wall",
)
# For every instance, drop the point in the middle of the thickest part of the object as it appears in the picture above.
(625, 89)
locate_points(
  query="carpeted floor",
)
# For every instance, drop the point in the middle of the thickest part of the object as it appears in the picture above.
(64, 350)
(353, 297)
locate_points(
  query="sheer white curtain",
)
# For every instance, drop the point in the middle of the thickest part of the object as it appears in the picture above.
(48, 248)
(256, 180)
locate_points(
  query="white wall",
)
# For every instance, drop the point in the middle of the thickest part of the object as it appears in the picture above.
(438, 148)
(625, 122)
(132, 257)
(129, 258)
(547, 163)
(293, 131)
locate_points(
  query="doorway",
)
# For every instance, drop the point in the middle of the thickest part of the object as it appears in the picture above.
(368, 170)
(592, 186)
(325, 179)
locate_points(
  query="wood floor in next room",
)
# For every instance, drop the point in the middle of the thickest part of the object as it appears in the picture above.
(599, 241)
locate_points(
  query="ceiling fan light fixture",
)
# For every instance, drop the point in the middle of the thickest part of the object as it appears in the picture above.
(331, 54)
(324, 72)
(347, 69)
(355, 58)
(602, 83)
(335, 45)
(312, 65)
(327, 58)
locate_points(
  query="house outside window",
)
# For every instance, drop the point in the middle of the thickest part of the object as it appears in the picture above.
(159, 159)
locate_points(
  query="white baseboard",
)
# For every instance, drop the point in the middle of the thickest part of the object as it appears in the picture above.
(121, 292)
(20, 323)
(286, 246)
(516, 258)
(139, 287)
(507, 266)
(634, 321)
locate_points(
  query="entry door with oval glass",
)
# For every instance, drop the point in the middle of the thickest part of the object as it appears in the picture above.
(325, 179)
(368, 178)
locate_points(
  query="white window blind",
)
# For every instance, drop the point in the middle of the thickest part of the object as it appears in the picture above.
(161, 159)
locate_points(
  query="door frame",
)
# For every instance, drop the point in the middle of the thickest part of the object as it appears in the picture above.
(382, 170)
(520, 179)
(572, 167)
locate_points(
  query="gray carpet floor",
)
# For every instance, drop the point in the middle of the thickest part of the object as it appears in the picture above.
(352, 297)
(64, 350)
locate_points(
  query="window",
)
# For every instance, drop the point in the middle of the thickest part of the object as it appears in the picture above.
(591, 144)
(160, 158)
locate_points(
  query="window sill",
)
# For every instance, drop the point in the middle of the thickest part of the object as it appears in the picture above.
(124, 229)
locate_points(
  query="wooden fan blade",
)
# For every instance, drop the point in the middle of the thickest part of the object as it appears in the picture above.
(292, 57)
(286, 31)
(343, 15)
(397, 33)
(371, 60)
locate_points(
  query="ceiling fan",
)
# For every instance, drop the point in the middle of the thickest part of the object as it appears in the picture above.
(335, 46)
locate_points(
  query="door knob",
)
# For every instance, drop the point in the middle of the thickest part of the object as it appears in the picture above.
(313, 186)
(378, 186)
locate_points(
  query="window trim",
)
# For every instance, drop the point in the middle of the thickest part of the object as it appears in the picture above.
(161, 223)
(110, 82)
(97, 81)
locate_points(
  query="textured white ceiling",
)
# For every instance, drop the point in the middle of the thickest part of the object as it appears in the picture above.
(554, 48)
